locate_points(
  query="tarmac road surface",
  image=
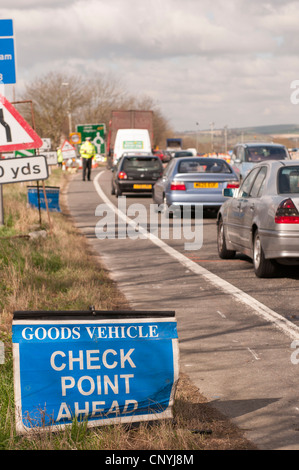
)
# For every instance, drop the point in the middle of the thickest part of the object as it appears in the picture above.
(237, 333)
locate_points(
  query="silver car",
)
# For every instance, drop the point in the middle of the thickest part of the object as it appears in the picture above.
(261, 218)
(194, 181)
(245, 156)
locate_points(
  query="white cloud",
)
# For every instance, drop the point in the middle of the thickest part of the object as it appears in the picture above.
(231, 62)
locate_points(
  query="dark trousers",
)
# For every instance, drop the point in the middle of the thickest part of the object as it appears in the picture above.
(86, 167)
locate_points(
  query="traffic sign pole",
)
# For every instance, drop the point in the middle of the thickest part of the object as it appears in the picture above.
(1, 206)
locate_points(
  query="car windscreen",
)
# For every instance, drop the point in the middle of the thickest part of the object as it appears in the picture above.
(183, 154)
(261, 153)
(139, 164)
(288, 180)
(204, 165)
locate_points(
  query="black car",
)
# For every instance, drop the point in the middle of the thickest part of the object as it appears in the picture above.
(136, 173)
(183, 153)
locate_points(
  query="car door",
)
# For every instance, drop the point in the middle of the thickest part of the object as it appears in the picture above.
(235, 216)
(160, 186)
(249, 205)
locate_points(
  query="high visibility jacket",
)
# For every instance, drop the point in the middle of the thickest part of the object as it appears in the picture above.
(87, 150)
(59, 156)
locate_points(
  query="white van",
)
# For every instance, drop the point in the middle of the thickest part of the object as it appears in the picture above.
(131, 140)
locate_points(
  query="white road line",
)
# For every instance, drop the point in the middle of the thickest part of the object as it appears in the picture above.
(287, 327)
(254, 354)
(221, 314)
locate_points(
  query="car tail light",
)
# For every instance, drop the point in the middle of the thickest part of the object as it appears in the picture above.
(287, 213)
(233, 185)
(122, 175)
(177, 186)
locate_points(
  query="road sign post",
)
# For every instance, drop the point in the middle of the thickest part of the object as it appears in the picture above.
(1, 206)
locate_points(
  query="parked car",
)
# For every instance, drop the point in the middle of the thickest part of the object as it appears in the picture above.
(116, 162)
(261, 218)
(164, 156)
(194, 181)
(136, 173)
(183, 153)
(245, 156)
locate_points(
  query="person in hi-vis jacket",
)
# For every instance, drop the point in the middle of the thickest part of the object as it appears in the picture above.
(87, 152)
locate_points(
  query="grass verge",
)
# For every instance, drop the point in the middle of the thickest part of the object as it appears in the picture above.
(59, 272)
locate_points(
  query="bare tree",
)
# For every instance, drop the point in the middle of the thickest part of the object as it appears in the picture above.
(87, 101)
(52, 101)
(102, 94)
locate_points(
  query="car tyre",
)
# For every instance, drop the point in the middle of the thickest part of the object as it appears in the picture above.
(112, 189)
(262, 267)
(118, 192)
(223, 252)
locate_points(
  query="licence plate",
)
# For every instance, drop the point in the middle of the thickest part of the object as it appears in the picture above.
(205, 185)
(142, 186)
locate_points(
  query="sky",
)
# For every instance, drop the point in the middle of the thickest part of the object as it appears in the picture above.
(231, 62)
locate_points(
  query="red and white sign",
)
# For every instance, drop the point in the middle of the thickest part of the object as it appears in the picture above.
(15, 132)
(68, 151)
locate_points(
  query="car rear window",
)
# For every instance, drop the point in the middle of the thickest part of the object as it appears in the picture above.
(183, 154)
(288, 180)
(262, 153)
(137, 163)
(203, 166)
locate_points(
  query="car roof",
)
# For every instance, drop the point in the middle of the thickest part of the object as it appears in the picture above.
(260, 144)
(141, 156)
(276, 163)
(207, 159)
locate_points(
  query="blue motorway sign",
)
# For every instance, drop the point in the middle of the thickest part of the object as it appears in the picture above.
(7, 53)
(104, 371)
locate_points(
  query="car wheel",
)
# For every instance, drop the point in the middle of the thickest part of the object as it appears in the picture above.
(262, 267)
(153, 196)
(118, 192)
(223, 252)
(112, 189)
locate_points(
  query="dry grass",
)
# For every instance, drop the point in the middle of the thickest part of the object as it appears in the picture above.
(59, 273)
(196, 426)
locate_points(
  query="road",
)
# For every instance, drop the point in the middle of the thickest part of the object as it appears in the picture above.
(236, 332)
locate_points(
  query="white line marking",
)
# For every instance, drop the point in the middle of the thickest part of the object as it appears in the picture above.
(254, 354)
(221, 314)
(287, 327)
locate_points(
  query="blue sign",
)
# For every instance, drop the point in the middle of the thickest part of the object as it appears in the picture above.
(102, 371)
(7, 53)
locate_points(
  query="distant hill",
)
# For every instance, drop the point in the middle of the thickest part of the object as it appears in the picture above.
(205, 141)
(260, 130)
